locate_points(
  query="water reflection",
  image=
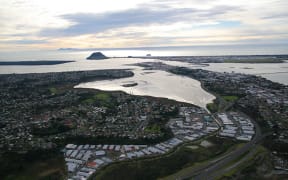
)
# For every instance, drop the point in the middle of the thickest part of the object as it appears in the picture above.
(157, 84)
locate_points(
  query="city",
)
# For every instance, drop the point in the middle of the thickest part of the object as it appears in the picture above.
(143, 90)
(87, 125)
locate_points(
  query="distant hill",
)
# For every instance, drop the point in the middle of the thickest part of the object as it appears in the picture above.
(97, 56)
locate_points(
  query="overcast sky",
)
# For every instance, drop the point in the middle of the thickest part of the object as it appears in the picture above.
(53, 24)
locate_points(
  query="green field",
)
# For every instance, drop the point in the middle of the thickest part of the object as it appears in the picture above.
(102, 96)
(99, 98)
(53, 90)
(256, 165)
(161, 166)
(230, 98)
(153, 129)
(212, 107)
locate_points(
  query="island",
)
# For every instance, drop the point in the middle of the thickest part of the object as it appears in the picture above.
(32, 63)
(130, 85)
(96, 56)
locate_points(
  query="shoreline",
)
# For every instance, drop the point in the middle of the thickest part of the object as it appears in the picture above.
(87, 80)
(33, 63)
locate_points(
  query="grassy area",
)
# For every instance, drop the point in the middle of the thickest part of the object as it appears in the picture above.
(102, 96)
(153, 129)
(161, 166)
(99, 98)
(53, 90)
(51, 169)
(34, 165)
(59, 89)
(248, 168)
(234, 170)
(226, 148)
(212, 107)
(230, 98)
(221, 103)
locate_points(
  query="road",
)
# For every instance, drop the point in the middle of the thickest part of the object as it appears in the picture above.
(208, 171)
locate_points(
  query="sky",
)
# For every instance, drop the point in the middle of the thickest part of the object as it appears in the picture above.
(53, 24)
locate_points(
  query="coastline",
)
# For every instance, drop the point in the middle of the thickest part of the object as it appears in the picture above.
(33, 63)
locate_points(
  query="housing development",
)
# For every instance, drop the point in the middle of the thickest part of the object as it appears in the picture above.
(192, 123)
(236, 126)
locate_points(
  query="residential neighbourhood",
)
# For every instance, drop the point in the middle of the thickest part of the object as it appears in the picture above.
(191, 124)
(236, 125)
(263, 100)
(98, 128)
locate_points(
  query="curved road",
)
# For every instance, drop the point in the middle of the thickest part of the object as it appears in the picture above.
(206, 171)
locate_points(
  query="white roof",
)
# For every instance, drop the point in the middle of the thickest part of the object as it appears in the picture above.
(68, 152)
(146, 151)
(230, 131)
(226, 134)
(189, 138)
(117, 148)
(86, 146)
(111, 147)
(71, 166)
(175, 141)
(70, 146)
(83, 174)
(224, 119)
(73, 160)
(100, 153)
(106, 159)
(99, 161)
(163, 148)
(248, 132)
(139, 153)
(131, 155)
(244, 138)
(247, 128)
(75, 152)
(105, 146)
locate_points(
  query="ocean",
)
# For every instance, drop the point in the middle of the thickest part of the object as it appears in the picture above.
(212, 50)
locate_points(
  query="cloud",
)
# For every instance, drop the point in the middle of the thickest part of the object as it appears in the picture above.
(24, 41)
(277, 16)
(90, 23)
(110, 23)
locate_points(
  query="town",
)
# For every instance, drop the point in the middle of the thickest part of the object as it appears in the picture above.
(191, 124)
(263, 100)
(37, 109)
(94, 128)
(55, 113)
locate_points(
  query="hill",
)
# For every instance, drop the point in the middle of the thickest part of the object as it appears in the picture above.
(97, 56)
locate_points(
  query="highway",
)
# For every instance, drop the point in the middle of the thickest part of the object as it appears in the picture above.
(212, 168)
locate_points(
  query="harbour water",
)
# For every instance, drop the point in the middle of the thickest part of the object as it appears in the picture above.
(157, 84)
(277, 72)
(152, 83)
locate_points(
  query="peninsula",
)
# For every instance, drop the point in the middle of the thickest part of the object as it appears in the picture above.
(32, 63)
